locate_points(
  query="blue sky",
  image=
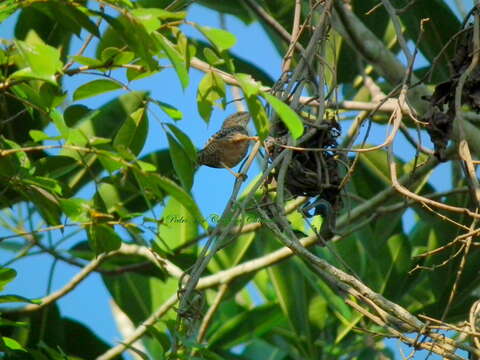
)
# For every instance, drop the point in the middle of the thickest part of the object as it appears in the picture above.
(89, 303)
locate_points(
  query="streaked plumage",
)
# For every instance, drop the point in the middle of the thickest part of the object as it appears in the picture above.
(229, 145)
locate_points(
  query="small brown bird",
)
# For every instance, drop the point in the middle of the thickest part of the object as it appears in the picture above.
(229, 145)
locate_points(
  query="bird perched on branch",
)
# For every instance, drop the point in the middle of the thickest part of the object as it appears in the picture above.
(229, 145)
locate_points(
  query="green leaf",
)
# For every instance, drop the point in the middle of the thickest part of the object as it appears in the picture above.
(374, 174)
(252, 89)
(398, 264)
(59, 122)
(259, 116)
(39, 136)
(111, 162)
(258, 348)
(130, 30)
(128, 193)
(185, 141)
(46, 203)
(292, 295)
(133, 132)
(112, 56)
(210, 89)
(246, 326)
(47, 317)
(181, 162)
(162, 161)
(74, 113)
(119, 195)
(9, 165)
(48, 184)
(178, 226)
(151, 17)
(12, 344)
(181, 195)
(148, 18)
(76, 209)
(288, 116)
(113, 198)
(103, 122)
(99, 141)
(318, 311)
(249, 86)
(221, 39)
(52, 96)
(30, 94)
(56, 166)
(15, 299)
(134, 74)
(83, 60)
(38, 19)
(70, 17)
(38, 61)
(138, 295)
(6, 322)
(168, 109)
(142, 355)
(94, 88)
(103, 238)
(212, 58)
(239, 251)
(241, 65)
(442, 27)
(82, 18)
(376, 21)
(162, 14)
(6, 275)
(15, 164)
(175, 58)
(124, 57)
(145, 166)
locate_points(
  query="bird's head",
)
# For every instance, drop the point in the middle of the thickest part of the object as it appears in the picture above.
(238, 119)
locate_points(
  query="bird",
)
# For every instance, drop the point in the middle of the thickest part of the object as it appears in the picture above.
(227, 147)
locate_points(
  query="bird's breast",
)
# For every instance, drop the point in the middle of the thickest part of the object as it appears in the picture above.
(234, 152)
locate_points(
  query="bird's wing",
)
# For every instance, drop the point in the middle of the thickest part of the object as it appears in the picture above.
(227, 134)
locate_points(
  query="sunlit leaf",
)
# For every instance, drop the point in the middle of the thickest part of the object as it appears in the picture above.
(210, 89)
(38, 61)
(175, 59)
(11, 344)
(168, 109)
(128, 30)
(87, 61)
(249, 86)
(287, 115)
(76, 209)
(221, 39)
(94, 88)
